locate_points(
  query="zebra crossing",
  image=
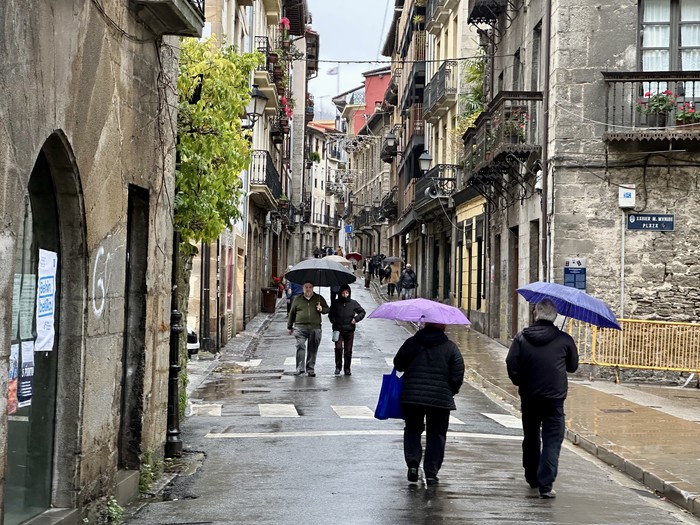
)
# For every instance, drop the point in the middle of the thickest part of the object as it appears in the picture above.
(282, 410)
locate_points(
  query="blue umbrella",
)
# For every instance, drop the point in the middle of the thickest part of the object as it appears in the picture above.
(571, 302)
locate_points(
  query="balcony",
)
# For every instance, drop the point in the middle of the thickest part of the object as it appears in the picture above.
(414, 82)
(441, 92)
(171, 17)
(312, 52)
(265, 184)
(485, 11)
(296, 12)
(508, 127)
(412, 136)
(435, 186)
(407, 198)
(436, 15)
(264, 75)
(628, 119)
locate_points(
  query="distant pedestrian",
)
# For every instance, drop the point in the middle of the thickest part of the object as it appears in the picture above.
(408, 282)
(538, 360)
(392, 273)
(367, 270)
(335, 291)
(344, 314)
(433, 374)
(292, 291)
(304, 322)
(339, 251)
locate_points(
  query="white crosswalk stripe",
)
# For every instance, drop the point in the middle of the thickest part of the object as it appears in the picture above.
(353, 412)
(277, 410)
(247, 364)
(505, 420)
(456, 421)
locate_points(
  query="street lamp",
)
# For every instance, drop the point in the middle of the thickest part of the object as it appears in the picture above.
(390, 139)
(424, 161)
(256, 105)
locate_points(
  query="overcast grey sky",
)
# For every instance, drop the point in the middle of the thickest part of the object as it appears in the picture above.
(348, 30)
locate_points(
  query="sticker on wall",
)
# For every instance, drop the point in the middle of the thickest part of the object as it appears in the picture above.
(26, 375)
(13, 379)
(46, 301)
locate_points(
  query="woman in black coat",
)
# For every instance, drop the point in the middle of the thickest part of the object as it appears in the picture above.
(345, 312)
(433, 373)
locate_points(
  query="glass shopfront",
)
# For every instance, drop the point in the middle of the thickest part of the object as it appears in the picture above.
(33, 374)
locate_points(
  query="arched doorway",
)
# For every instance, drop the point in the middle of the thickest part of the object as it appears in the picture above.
(44, 426)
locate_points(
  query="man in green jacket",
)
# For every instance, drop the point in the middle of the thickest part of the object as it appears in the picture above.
(304, 322)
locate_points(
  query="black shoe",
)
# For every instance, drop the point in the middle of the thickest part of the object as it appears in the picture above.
(299, 372)
(312, 374)
(337, 371)
(412, 474)
(432, 480)
(548, 495)
(348, 373)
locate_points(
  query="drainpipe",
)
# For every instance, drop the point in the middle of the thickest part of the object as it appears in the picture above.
(173, 442)
(545, 140)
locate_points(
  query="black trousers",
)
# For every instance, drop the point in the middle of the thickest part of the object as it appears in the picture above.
(435, 422)
(343, 348)
(543, 434)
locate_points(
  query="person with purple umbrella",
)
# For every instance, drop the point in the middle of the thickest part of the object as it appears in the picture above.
(433, 370)
(538, 360)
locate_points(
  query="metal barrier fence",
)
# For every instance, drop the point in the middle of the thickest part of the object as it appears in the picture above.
(651, 345)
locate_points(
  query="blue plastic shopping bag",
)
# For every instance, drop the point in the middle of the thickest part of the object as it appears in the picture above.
(389, 403)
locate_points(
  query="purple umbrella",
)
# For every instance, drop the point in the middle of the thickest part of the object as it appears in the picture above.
(571, 302)
(420, 311)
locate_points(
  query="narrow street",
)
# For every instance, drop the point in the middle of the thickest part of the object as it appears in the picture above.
(277, 448)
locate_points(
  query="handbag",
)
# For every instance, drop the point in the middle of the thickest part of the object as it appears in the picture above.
(336, 336)
(389, 402)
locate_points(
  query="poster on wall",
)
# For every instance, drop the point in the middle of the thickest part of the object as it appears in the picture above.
(26, 375)
(23, 299)
(46, 301)
(13, 379)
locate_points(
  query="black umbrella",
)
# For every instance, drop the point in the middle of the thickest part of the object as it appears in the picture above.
(321, 272)
(392, 259)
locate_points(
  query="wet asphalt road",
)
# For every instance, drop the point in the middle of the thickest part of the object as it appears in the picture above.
(282, 449)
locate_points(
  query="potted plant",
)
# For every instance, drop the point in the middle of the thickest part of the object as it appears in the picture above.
(656, 106)
(284, 32)
(687, 117)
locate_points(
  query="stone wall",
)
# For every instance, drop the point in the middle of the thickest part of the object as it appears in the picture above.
(67, 71)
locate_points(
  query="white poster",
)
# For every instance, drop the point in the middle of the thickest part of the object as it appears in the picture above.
(45, 301)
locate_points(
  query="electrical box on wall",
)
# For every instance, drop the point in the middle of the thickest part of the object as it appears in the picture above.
(627, 196)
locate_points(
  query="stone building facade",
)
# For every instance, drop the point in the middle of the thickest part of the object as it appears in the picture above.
(568, 129)
(87, 176)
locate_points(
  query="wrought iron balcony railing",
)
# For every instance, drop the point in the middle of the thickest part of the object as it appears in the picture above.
(510, 126)
(441, 91)
(264, 173)
(645, 106)
(485, 11)
(262, 44)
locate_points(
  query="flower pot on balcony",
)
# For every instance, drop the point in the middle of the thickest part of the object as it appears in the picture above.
(656, 120)
(273, 58)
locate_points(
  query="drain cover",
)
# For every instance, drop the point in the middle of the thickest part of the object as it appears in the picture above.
(616, 410)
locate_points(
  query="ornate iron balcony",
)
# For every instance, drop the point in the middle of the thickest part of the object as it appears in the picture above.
(652, 106)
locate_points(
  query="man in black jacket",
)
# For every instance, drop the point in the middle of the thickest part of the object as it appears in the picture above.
(433, 370)
(344, 314)
(538, 360)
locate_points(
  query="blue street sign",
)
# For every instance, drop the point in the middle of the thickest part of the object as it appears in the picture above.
(348, 228)
(651, 221)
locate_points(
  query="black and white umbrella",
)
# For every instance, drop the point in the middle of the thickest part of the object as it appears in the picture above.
(321, 272)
